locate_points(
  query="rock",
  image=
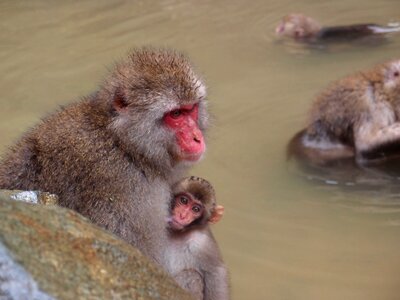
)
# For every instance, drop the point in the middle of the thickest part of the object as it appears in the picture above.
(49, 252)
(15, 282)
(34, 197)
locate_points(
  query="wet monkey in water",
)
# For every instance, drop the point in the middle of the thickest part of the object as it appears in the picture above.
(304, 28)
(200, 269)
(357, 118)
(114, 155)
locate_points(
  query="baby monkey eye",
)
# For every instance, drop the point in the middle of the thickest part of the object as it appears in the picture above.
(196, 208)
(396, 74)
(184, 200)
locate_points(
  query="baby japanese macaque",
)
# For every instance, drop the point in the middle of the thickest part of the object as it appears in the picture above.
(356, 118)
(194, 205)
(303, 28)
(199, 269)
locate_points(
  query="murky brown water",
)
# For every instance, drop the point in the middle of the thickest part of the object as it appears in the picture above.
(283, 236)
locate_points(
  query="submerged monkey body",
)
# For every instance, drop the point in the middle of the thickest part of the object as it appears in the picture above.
(358, 116)
(304, 28)
(349, 32)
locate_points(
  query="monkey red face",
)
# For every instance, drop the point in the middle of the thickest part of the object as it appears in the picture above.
(184, 122)
(185, 211)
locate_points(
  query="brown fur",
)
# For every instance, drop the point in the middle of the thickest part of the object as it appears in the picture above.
(355, 116)
(109, 156)
(200, 269)
(301, 27)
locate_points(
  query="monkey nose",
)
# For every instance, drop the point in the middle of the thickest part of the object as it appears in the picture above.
(196, 139)
(279, 29)
(197, 136)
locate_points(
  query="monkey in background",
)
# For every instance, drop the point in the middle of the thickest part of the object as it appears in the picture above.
(200, 269)
(114, 155)
(356, 118)
(303, 28)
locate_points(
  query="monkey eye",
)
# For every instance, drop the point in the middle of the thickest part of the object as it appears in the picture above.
(175, 114)
(196, 208)
(396, 74)
(184, 200)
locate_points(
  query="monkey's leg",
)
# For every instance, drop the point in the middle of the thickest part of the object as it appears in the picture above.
(192, 281)
(372, 140)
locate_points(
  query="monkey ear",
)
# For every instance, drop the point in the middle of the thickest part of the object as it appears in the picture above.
(217, 214)
(119, 102)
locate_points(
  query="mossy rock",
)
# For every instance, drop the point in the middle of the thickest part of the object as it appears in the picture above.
(70, 258)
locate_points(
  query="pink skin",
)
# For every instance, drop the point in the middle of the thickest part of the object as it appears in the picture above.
(279, 29)
(188, 134)
(186, 210)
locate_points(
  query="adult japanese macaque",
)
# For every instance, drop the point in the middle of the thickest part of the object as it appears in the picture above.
(114, 155)
(200, 269)
(356, 118)
(303, 28)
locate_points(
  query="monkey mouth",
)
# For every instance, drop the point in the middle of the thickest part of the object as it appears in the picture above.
(193, 157)
(175, 225)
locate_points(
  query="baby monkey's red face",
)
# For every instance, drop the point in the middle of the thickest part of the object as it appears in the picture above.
(185, 210)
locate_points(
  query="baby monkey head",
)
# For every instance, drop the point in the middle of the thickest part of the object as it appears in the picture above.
(193, 203)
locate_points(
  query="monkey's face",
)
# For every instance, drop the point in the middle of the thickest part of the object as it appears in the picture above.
(392, 77)
(297, 26)
(160, 108)
(186, 209)
(289, 29)
(184, 124)
(291, 26)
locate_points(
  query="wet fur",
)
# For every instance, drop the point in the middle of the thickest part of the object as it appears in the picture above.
(357, 116)
(304, 28)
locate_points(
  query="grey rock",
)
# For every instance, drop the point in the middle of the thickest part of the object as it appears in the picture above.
(15, 282)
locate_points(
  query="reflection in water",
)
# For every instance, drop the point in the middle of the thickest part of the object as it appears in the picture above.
(378, 185)
(281, 236)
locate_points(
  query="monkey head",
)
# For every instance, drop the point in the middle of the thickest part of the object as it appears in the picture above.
(158, 108)
(385, 80)
(193, 203)
(297, 26)
(391, 78)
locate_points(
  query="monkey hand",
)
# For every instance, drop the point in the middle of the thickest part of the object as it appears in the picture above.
(217, 214)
